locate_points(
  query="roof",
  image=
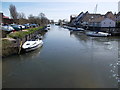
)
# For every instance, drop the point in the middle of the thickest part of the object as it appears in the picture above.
(5, 17)
(99, 19)
(108, 13)
(91, 17)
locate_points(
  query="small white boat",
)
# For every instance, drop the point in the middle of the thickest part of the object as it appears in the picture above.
(75, 29)
(32, 45)
(97, 34)
(107, 43)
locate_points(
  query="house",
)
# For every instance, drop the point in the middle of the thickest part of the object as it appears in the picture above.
(107, 22)
(78, 20)
(72, 17)
(117, 17)
(98, 20)
(91, 19)
(5, 20)
(110, 15)
(1, 15)
(94, 20)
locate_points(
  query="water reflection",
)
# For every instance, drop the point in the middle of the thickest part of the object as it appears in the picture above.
(67, 59)
(108, 43)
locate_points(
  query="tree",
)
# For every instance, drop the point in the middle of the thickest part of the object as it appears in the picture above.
(40, 19)
(41, 15)
(13, 12)
(32, 19)
(59, 22)
(52, 21)
(22, 18)
(21, 15)
(43, 19)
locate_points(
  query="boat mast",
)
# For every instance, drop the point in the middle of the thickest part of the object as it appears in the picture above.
(95, 10)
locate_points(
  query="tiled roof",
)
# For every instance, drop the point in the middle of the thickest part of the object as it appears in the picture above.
(5, 17)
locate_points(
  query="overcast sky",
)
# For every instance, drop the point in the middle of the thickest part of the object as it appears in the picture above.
(59, 9)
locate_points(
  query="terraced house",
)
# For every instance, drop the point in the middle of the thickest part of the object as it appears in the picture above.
(117, 19)
(95, 20)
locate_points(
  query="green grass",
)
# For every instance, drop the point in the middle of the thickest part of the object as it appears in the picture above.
(20, 34)
(6, 43)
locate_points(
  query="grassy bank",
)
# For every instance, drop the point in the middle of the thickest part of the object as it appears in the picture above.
(10, 45)
(21, 34)
(8, 48)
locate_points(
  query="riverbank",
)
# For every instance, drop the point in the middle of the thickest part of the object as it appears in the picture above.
(12, 43)
(114, 31)
(68, 60)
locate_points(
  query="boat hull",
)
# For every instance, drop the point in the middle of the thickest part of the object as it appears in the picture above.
(75, 29)
(32, 47)
(94, 34)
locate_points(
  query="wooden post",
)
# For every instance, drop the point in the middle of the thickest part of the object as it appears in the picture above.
(20, 47)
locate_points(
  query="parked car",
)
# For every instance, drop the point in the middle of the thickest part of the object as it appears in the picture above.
(22, 26)
(7, 28)
(33, 25)
(16, 27)
(26, 25)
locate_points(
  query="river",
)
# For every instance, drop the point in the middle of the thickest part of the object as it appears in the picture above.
(66, 60)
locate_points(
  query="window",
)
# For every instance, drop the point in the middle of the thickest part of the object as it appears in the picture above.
(110, 22)
(104, 22)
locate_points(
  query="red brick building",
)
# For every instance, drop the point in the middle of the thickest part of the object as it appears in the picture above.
(5, 19)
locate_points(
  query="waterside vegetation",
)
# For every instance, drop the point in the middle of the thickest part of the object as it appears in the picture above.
(21, 34)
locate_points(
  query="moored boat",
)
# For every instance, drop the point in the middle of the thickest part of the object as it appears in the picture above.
(97, 34)
(75, 29)
(32, 45)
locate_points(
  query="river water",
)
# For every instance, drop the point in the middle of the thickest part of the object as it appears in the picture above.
(66, 60)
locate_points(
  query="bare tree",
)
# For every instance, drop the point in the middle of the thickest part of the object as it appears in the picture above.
(13, 11)
(22, 18)
(21, 15)
(40, 19)
(31, 18)
(59, 21)
(41, 15)
(43, 19)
